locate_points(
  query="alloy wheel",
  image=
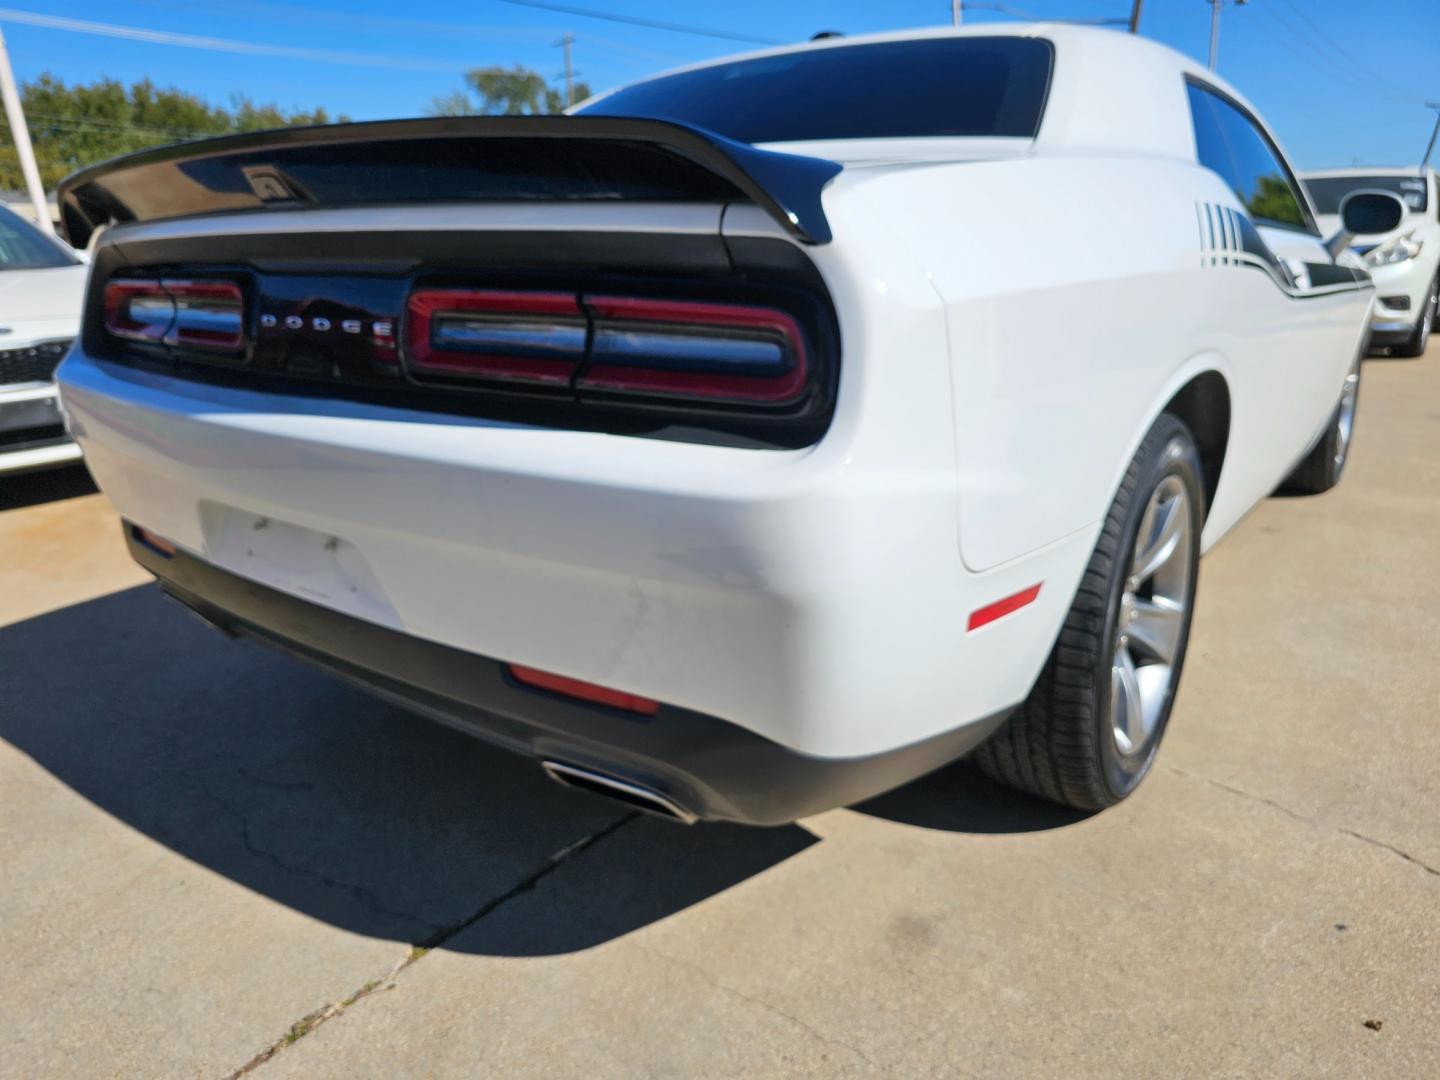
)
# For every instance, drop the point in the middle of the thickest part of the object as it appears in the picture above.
(1345, 416)
(1152, 616)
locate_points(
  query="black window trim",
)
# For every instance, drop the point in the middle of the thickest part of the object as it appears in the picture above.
(1302, 197)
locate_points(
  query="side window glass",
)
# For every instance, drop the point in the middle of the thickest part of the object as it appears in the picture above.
(1228, 142)
(1209, 139)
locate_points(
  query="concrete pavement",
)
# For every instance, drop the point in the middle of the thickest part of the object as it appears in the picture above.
(213, 858)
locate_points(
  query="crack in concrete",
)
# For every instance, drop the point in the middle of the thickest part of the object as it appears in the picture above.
(1341, 829)
(769, 1006)
(1244, 794)
(312, 1020)
(1393, 850)
(355, 890)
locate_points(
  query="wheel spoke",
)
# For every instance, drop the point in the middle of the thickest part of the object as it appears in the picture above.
(1157, 543)
(1155, 628)
(1127, 715)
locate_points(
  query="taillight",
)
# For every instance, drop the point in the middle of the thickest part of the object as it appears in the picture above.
(193, 314)
(208, 314)
(684, 349)
(139, 310)
(517, 337)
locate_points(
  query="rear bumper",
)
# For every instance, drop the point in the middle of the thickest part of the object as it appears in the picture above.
(713, 769)
(815, 598)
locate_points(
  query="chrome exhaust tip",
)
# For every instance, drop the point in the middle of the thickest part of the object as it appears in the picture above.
(617, 790)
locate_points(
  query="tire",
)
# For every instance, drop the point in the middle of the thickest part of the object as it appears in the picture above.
(1064, 742)
(1322, 467)
(1415, 344)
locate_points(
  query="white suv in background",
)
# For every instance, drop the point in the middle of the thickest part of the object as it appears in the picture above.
(42, 286)
(1403, 262)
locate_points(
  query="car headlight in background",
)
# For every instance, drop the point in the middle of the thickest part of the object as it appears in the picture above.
(1401, 249)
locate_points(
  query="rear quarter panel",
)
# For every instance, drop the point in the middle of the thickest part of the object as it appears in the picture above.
(1077, 303)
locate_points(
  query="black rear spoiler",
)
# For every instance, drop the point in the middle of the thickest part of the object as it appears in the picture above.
(447, 159)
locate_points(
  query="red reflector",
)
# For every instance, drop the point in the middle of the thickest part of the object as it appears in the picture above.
(559, 684)
(1000, 608)
(526, 337)
(681, 348)
(154, 541)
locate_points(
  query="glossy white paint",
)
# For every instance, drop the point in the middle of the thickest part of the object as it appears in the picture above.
(40, 305)
(36, 306)
(1012, 320)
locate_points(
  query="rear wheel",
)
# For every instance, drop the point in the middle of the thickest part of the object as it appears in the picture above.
(1321, 469)
(1088, 733)
(1415, 344)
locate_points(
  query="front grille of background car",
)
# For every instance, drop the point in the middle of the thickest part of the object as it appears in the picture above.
(32, 363)
(29, 438)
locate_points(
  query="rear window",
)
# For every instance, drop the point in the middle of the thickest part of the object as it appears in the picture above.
(1328, 192)
(977, 86)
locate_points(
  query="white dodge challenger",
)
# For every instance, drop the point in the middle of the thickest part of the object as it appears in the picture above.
(753, 440)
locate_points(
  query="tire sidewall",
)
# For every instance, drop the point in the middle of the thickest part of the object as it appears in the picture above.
(1178, 457)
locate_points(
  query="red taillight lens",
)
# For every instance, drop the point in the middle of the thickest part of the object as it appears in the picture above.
(600, 695)
(195, 314)
(208, 314)
(139, 310)
(684, 349)
(520, 337)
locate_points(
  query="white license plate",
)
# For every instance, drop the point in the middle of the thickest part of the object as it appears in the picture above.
(313, 565)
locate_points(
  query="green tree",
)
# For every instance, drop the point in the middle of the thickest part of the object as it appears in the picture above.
(1274, 201)
(73, 126)
(498, 91)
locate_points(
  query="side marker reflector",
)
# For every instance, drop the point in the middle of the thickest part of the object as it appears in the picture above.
(1000, 608)
(153, 541)
(600, 695)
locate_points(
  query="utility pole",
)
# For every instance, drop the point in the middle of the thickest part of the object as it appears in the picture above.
(1135, 16)
(1434, 132)
(21, 134)
(955, 12)
(1215, 30)
(567, 41)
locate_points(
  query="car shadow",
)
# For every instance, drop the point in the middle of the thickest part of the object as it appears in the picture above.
(45, 485)
(354, 812)
(961, 798)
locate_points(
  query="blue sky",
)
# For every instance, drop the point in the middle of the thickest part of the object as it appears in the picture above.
(1306, 63)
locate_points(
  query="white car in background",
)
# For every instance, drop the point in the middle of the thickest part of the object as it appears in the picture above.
(42, 287)
(760, 437)
(1404, 262)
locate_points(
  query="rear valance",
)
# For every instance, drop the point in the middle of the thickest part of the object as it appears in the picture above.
(447, 159)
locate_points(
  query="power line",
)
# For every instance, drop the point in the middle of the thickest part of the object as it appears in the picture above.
(1318, 58)
(51, 120)
(619, 46)
(191, 41)
(1343, 55)
(1016, 13)
(384, 24)
(635, 20)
